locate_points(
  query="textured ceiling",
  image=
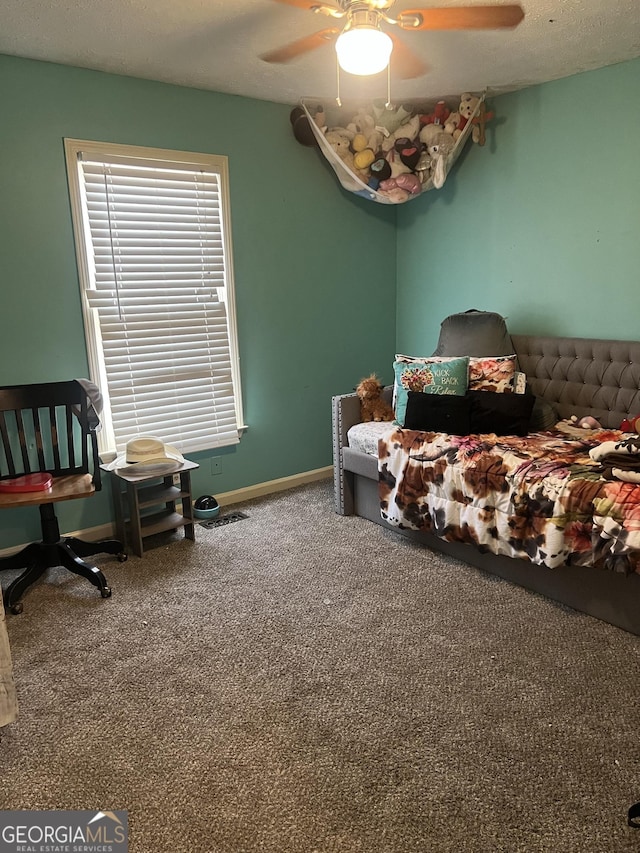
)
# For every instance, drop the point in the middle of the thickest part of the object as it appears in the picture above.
(216, 45)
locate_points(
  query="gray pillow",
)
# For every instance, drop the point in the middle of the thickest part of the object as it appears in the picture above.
(474, 333)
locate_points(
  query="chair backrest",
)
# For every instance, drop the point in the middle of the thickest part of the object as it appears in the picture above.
(45, 428)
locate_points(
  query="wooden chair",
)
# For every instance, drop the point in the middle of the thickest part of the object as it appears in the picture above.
(45, 428)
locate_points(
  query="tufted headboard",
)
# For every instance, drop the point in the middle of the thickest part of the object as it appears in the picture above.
(583, 376)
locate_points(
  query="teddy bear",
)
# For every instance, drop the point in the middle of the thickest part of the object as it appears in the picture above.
(458, 120)
(365, 133)
(339, 138)
(372, 405)
(467, 108)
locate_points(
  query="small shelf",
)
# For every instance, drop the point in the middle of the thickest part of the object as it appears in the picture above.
(132, 494)
(159, 522)
(152, 495)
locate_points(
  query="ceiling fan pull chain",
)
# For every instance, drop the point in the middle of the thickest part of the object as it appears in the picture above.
(338, 101)
(388, 105)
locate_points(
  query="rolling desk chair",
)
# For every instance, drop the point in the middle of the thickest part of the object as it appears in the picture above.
(49, 453)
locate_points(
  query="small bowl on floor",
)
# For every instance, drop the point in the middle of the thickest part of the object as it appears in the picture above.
(206, 507)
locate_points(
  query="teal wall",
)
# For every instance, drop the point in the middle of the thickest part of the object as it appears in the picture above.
(314, 266)
(541, 224)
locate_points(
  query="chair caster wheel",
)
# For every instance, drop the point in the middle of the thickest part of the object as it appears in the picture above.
(106, 592)
(16, 608)
(122, 557)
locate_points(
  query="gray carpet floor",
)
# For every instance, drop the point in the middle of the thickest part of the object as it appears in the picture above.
(300, 682)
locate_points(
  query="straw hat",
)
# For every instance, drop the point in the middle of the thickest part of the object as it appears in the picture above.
(146, 453)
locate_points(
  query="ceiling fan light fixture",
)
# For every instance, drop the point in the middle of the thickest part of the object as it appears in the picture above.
(363, 50)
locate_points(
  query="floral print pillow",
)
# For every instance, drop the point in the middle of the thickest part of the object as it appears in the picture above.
(493, 373)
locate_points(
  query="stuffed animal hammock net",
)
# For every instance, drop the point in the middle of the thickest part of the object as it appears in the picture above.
(427, 171)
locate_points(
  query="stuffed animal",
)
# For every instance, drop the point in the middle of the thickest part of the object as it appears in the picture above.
(379, 170)
(397, 166)
(631, 424)
(372, 405)
(429, 132)
(439, 149)
(454, 124)
(363, 127)
(423, 166)
(586, 423)
(339, 138)
(396, 195)
(439, 115)
(363, 159)
(364, 147)
(409, 182)
(408, 151)
(409, 130)
(578, 427)
(389, 119)
(302, 127)
(457, 121)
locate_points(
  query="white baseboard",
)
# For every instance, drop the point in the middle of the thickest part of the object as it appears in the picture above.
(273, 486)
(107, 531)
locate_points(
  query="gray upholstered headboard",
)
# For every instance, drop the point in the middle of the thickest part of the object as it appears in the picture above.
(583, 376)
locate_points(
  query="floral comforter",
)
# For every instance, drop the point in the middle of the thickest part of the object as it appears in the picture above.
(540, 498)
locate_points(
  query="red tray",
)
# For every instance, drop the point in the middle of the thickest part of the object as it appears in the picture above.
(28, 483)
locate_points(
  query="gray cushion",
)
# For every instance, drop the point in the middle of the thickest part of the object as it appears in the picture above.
(474, 333)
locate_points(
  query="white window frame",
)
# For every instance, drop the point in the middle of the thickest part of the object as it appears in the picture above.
(75, 149)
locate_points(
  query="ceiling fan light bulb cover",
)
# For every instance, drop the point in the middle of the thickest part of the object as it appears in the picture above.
(363, 50)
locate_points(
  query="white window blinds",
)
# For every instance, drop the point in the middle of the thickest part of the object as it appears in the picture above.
(158, 294)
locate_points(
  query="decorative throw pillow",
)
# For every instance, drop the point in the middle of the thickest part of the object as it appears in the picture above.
(503, 414)
(431, 376)
(494, 373)
(438, 413)
(543, 416)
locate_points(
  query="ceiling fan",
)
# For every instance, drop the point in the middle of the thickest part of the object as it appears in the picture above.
(363, 47)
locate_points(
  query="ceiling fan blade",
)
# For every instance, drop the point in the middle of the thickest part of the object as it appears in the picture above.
(309, 5)
(291, 51)
(404, 62)
(461, 18)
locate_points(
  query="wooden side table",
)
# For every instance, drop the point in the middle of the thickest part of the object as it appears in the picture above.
(132, 494)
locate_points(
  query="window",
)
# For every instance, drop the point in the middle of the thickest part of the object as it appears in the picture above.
(152, 230)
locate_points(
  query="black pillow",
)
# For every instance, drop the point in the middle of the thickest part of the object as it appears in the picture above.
(543, 416)
(504, 414)
(438, 413)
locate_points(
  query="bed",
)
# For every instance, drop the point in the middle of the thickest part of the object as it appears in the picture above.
(579, 545)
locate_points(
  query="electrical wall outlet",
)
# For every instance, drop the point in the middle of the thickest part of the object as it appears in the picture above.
(216, 465)
(176, 479)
